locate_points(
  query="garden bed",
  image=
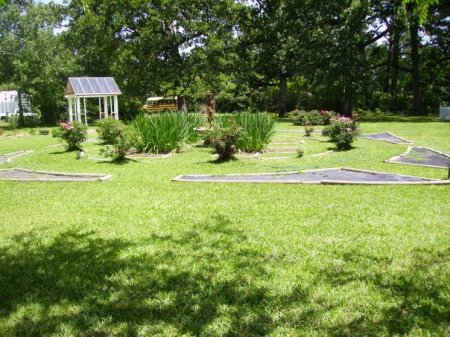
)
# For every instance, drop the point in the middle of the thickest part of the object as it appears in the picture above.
(19, 174)
(319, 176)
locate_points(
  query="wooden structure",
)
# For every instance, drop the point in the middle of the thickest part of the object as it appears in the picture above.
(105, 89)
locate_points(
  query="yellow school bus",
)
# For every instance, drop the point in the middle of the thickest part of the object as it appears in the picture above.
(158, 104)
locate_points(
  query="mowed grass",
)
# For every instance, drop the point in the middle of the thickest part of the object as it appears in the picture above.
(141, 255)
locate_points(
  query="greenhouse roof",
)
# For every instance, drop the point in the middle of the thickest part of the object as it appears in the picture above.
(91, 86)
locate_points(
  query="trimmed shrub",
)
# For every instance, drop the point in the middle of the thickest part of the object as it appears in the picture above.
(163, 133)
(72, 133)
(342, 131)
(225, 141)
(109, 129)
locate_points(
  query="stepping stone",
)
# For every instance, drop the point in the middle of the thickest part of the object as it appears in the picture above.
(18, 174)
(320, 176)
(422, 156)
(6, 158)
(386, 137)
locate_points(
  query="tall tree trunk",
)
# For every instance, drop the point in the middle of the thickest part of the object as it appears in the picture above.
(393, 89)
(21, 116)
(283, 96)
(415, 62)
(182, 106)
(348, 98)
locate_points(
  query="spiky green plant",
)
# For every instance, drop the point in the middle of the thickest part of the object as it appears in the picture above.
(163, 133)
(258, 127)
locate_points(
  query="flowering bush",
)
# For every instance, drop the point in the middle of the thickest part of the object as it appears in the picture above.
(225, 141)
(313, 117)
(342, 131)
(72, 133)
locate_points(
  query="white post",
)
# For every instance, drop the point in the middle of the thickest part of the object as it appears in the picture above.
(85, 114)
(105, 106)
(111, 105)
(116, 107)
(99, 108)
(69, 99)
(78, 110)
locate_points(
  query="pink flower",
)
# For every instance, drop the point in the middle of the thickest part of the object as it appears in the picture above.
(344, 119)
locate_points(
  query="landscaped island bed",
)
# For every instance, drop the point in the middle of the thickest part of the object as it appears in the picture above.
(142, 255)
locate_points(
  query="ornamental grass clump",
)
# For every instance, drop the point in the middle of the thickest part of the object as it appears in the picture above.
(258, 128)
(164, 133)
(72, 133)
(342, 131)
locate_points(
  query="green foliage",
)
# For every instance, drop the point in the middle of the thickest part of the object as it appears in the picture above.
(13, 121)
(72, 133)
(163, 133)
(313, 117)
(123, 141)
(342, 131)
(109, 129)
(258, 129)
(300, 152)
(308, 130)
(225, 141)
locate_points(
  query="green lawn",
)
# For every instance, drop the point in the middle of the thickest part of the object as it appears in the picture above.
(141, 255)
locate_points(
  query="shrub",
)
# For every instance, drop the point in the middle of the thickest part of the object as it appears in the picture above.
(225, 141)
(342, 131)
(308, 130)
(13, 121)
(121, 144)
(300, 152)
(109, 129)
(163, 133)
(302, 117)
(72, 133)
(327, 116)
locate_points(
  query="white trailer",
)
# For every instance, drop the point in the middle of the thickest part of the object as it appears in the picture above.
(9, 104)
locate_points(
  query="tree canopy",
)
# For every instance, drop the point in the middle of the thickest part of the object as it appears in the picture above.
(272, 55)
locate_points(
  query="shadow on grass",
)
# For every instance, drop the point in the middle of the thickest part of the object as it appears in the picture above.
(80, 284)
(209, 280)
(417, 294)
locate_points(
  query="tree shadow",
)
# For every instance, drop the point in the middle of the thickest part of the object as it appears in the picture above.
(417, 293)
(208, 280)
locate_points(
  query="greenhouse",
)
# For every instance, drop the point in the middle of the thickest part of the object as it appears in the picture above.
(105, 89)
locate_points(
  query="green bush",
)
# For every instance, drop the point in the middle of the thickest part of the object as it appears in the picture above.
(163, 133)
(342, 131)
(313, 117)
(13, 121)
(225, 141)
(121, 144)
(109, 129)
(72, 133)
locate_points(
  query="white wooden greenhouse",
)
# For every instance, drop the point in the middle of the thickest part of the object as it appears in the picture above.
(105, 89)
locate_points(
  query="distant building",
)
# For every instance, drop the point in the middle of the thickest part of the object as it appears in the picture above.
(9, 104)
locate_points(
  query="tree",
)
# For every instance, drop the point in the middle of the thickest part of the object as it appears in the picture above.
(34, 60)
